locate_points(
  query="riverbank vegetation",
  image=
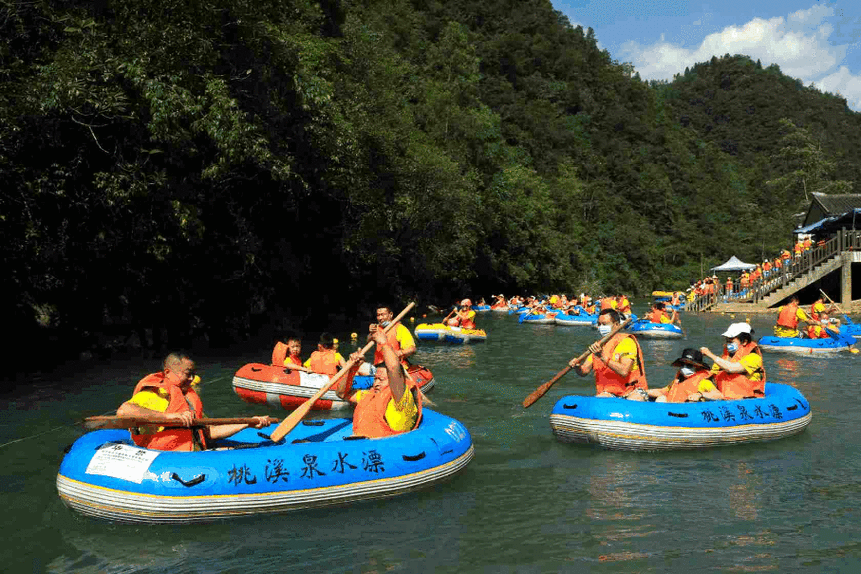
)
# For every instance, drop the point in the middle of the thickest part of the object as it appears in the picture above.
(174, 169)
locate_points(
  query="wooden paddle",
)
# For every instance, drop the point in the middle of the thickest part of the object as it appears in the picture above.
(296, 416)
(542, 390)
(830, 300)
(114, 422)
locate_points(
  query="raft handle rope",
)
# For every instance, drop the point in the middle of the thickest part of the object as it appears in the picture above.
(193, 482)
(414, 458)
(574, 406)
(679, 415)
(313, 423)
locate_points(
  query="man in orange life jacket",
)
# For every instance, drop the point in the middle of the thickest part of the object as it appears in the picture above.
(739, 372)
(326, 360)
(618, 364)
(170, 393)
(788, 317)
(400, 339)
(392, 405)
(692, 382)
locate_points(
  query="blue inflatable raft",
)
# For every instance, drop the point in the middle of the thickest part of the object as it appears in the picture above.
(629, 425)
(581, 319)
(799, 346)
(318, 464)
(649, 330)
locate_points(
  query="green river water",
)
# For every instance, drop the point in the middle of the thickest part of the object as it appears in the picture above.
(526, 503)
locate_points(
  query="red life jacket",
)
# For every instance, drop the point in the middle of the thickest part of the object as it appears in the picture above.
(679, 391)
(464, 320)
(369, 418)
(607, 380)
(787, 316)
(324, 362)
(392, 338)
(738, 385)
(180, 439)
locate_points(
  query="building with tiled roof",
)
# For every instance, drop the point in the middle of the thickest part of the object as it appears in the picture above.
(824, 205)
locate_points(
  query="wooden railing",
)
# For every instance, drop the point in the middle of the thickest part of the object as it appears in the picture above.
(844, 240)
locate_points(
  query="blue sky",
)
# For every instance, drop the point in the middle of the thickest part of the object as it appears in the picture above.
(818, 42)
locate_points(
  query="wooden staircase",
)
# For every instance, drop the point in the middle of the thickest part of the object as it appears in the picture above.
(802, 281)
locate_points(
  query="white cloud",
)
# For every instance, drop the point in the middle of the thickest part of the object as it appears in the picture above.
(798, 44)
(846, 84)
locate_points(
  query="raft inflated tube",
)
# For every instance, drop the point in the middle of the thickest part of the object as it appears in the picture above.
(630, 425)
(649, 330)
(282, 387)
(799, 346)
(581, 319)
(106, 476)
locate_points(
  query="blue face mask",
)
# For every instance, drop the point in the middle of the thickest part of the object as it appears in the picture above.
(732, 347)
(604, 330)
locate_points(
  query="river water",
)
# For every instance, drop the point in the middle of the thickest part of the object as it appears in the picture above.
(526, 503)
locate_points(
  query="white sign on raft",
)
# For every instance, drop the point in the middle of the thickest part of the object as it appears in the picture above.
(122, 461)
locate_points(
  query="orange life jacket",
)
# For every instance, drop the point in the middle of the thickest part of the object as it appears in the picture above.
(655, 316)
(738, 385)
(817, 332)
(676, 298)
(679, 391)
(607, 380)
(392, 339)
(607, 303)
(279, 354)
(623, 305)
(180, 439)
(787, 316)
(324, 362)
(369, 418)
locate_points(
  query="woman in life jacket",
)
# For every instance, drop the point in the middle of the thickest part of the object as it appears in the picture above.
(618, 364)
(692, 383)
(739, 372)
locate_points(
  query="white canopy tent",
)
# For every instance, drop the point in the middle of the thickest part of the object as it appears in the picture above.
(734, 264)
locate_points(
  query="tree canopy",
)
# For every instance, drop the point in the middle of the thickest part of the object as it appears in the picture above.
(184, 169)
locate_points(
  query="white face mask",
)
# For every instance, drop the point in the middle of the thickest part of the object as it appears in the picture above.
(604, 330)
(686, 372)
(732, 347)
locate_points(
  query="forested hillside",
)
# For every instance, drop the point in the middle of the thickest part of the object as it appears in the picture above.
(185, 169)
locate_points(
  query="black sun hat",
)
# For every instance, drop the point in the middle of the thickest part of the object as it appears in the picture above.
(691, 357)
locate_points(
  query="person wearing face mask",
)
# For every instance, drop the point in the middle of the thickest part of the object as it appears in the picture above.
(399, 339)
(692, 382)
(618, 363)
(739, 372)
(825, 329)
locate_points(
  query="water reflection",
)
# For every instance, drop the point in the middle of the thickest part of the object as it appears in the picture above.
(742, 495)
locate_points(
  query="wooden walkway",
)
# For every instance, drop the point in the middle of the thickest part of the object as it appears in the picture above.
(836, 254)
